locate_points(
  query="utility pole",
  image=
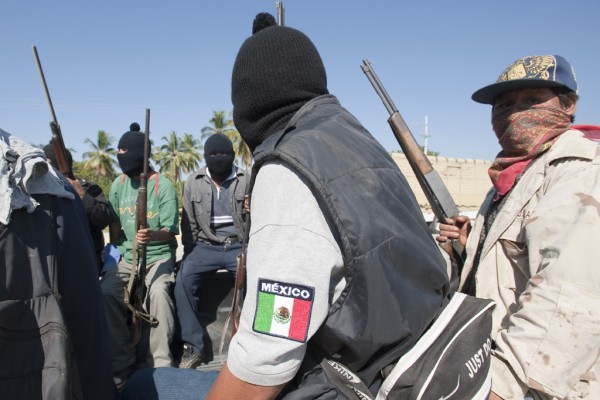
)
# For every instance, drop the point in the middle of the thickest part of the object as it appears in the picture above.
(426, 135)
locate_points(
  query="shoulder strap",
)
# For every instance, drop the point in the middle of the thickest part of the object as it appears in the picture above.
(154, 175)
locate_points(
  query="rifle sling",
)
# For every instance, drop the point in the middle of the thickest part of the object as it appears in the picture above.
(133, 277)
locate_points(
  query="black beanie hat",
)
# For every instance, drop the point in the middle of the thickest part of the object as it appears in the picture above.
(132, 162)
(277, 70)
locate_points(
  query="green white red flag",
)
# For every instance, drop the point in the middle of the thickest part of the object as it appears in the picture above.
(283, 309)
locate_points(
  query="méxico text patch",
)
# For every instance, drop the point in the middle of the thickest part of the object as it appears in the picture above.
(283, 309)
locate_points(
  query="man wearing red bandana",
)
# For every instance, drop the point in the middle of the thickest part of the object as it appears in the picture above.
(533, 247)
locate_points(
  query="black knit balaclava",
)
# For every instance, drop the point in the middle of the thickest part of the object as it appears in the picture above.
(277, 70)
(219, 156)
(132, 161)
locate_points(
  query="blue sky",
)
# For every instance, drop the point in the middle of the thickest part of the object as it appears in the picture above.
(107, 61)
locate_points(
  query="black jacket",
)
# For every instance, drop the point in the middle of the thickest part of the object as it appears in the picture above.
(99, 215)
(53, 335)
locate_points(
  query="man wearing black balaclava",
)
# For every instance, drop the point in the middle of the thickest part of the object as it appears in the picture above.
(212, 227)
(160, 241)
(131, 151)
(337, 238)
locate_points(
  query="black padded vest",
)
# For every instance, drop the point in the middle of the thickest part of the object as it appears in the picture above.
(396, 277)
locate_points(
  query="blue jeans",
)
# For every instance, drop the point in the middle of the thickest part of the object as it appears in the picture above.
(168, 384)
(204, 260)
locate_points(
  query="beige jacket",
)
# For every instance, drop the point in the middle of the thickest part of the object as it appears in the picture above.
(540, 262)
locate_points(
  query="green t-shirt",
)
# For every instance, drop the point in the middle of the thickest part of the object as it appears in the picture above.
(162, 212)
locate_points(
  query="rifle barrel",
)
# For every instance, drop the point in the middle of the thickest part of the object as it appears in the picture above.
(442, 204)
(147, 142)
(142, 201)
(41, 71)
(440, 200)
(383, 94)
(57, 140)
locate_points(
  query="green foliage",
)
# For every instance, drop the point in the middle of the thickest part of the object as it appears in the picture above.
(81, 172)
(218, 124)
(430, 152)
(177, 156)
(179, 189)
(101, 160)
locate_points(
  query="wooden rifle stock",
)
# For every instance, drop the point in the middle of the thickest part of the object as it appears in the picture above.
(136, 290)
(240, 277)
(238, 295)
(442, 204)
(57, 138)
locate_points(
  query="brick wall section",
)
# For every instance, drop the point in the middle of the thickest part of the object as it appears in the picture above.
(467, 180)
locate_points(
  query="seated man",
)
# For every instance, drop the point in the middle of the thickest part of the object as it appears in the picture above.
(212, 227)
(159, 238)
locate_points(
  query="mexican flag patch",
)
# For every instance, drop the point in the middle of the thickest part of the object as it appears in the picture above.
(283, 309)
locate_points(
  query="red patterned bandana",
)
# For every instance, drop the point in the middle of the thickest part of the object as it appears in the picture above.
(524, 132)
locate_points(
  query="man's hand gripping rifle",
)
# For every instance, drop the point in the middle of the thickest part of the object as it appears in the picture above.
(442, 204)
(135, 292)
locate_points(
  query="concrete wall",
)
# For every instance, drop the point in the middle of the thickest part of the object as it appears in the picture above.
(467, 180)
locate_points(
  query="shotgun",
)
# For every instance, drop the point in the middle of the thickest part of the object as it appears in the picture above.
(136, 289)
(442, 203)
(57, 138)
(240, 280)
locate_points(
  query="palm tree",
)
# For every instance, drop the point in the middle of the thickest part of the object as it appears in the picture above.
(101, 159)
(242, 151)
(178, 156)
(192, 148)
(221, 124)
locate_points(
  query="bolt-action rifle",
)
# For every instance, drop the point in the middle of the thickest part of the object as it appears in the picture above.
(57, 138)
(136, 289)
(442, 204)
(240, 280)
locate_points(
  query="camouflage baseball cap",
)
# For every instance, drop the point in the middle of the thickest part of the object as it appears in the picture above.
(530, 72)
